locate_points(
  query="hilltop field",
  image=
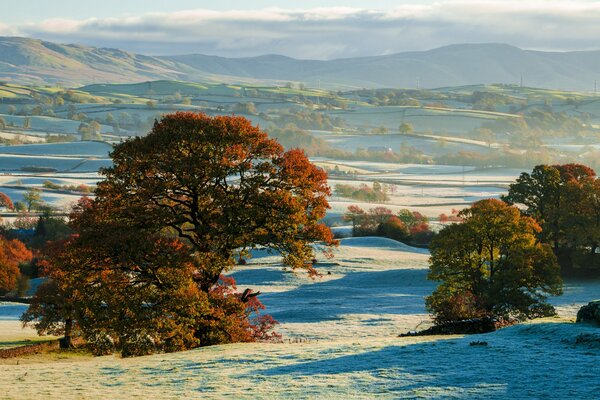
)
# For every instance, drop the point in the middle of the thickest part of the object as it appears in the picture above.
(339, 340)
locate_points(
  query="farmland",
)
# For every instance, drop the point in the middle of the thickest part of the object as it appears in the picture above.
(339, 330)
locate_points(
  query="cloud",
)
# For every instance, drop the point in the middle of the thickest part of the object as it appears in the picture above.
(324, 33)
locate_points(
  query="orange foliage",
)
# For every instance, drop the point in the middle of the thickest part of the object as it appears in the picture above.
(12, 253)
(5, 201)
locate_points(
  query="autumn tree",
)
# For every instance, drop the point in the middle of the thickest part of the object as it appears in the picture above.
(491, 265)
(53, 308)
(12, 254)
(174, 212)
(581, 225)
(222, 185)
(5, 201)
(355, 215)
(562, 199)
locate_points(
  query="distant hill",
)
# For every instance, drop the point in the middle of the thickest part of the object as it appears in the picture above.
(25, 60)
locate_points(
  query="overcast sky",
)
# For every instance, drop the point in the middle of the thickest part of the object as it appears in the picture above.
(304, 29)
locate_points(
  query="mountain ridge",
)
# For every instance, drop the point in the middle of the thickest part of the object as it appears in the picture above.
(34, 61)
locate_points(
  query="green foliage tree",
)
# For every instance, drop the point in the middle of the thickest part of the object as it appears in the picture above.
(491, 265)
(380, 130)
(95, 127)
(33, 199)
(405, 128)
(245, 108)
(110, 120)
(562, 199)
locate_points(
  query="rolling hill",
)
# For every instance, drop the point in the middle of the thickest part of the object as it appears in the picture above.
(24, 60)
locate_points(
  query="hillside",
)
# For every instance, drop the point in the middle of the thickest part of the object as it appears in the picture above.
(25, 60)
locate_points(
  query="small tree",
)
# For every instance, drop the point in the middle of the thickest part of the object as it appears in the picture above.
(33, 199)
(245, 108)
(355, 215)
(491, 265)
(5, 201)
(12, 253)
(405, 128)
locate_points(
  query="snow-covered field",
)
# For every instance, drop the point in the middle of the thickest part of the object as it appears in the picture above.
(75, 163)
(340, 341)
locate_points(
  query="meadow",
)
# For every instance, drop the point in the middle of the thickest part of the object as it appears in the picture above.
(340, 339)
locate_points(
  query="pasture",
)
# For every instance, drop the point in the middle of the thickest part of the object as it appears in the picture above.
(339, 341)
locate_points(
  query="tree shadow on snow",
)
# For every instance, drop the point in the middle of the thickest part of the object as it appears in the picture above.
(399, 291)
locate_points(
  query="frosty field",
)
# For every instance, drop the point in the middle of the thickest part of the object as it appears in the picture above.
(340, 341)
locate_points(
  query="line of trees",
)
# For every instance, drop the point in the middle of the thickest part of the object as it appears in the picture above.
(377, 193)
(504, 261)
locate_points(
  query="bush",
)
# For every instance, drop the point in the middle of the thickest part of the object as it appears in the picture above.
(395, 229)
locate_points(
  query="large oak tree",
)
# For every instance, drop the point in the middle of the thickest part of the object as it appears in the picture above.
(177, 209)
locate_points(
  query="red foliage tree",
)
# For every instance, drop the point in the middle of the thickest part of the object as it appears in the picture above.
(12, 253)
(5, 201)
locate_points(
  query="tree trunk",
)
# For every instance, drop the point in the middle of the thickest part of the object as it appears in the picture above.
(67, 341)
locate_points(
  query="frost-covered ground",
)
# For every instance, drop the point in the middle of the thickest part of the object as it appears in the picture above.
(340, 341)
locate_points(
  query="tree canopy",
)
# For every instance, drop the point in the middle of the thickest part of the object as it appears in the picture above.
(564, 200)
(491, 265)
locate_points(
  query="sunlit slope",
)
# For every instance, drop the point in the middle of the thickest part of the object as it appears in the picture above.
(30, 60)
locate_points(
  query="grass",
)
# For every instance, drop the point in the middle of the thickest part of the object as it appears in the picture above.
(340, 342)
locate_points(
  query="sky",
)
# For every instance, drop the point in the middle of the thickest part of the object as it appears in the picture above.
(322, 29)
